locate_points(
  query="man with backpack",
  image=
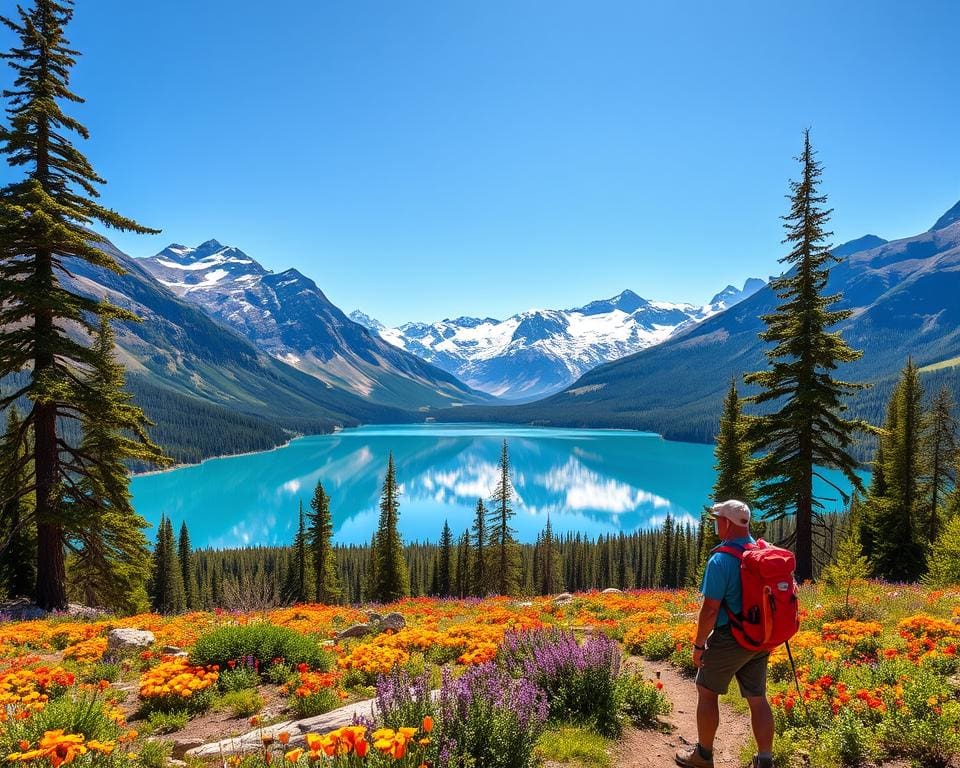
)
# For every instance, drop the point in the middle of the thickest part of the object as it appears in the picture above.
(749, 607)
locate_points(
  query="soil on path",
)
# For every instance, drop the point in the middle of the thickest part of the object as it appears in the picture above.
(656, 749)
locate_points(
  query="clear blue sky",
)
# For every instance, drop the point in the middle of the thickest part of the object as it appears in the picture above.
(423, 160)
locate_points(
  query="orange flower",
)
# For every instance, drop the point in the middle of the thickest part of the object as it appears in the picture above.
(293, 755)
(283, 737)
(427, 726)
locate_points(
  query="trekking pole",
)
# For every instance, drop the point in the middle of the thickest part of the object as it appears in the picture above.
(796, 681)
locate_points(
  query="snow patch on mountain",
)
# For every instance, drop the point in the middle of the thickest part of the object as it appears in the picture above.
(541, 351)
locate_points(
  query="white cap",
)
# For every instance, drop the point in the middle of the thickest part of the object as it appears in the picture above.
(735, 511)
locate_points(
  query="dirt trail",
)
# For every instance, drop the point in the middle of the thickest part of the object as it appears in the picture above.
(653, 749)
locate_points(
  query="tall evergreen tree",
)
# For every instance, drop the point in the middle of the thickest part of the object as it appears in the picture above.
(733, 464)
(110, 565)
(445, 562)
(664, 569)
(548, 568)
(185, 557)
(479, 576)
(166, 580)
(393, 579)
(896, 539)
(45, 218)
(320, 537)
(298, 578)
(504, 555)
(938, 448)
(463, 565)
(807, 429)
(18, 541)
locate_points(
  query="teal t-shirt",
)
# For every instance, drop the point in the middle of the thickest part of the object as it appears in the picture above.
(721, 580)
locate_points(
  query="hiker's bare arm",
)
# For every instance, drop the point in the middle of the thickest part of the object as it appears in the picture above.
(706, 620)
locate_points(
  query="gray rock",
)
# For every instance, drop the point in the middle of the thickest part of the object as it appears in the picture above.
(128, 639)
(357, 630)
(373, 617)
(524, 604)
(172, 650)
(612, 591)
(394, 621)
(563, 597)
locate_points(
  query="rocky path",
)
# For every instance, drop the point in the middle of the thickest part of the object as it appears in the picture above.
(656, 749)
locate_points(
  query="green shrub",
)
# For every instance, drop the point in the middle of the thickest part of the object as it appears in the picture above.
(280, 674)
(242, 703)
(641, 701)
(102, 671)
(168, 722)
(238, 679)
(316, 703)
(258, 644)
(83, 713)
(579, 746)
(848, 742)
(154, 754)
(658, 646)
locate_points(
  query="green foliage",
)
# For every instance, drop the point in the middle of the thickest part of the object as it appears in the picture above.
(263, 642)
(504, 556)
(168, 722)
(318, 702)
(239, 679)
(577, 746)
(298, 587)
(19, 556)
(242, 703)
(445, 562)
(944, 561)
(280, 674)
(849, 565)
(102, 670)
(185, 558)
(47, 214)
(392, 577)
(154, 753)
(642, 702)
(76, 712)
(658, 646)
(319, 538)
(166, 578)
(807, 429)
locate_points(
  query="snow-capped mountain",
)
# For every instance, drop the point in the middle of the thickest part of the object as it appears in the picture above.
(287, 316)
(536, 353)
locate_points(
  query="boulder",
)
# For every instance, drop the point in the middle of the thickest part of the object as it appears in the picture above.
(128, 639)
(172, 650)
(563, 597)
(357, 630)
(394, 621)
(612, 591)
(524, 604)
(373, 617)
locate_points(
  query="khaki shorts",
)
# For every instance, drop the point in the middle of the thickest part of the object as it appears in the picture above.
(725, 659)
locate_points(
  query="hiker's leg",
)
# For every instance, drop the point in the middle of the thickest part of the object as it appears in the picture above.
(761, 718)
(708, 716)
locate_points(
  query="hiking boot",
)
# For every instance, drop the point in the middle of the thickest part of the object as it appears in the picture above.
(757, 762)
(693, 759)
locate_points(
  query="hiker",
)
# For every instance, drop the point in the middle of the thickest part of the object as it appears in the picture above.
(718, 656)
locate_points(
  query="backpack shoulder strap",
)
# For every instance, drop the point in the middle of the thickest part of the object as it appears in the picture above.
(735, 550)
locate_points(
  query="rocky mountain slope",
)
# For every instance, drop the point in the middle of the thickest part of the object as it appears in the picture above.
(536, 353)
(287, 316)
(904, 298)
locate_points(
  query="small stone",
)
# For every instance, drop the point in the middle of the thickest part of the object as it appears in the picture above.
(394, 621)
(127, 639)
(357, 630)
(172, 650)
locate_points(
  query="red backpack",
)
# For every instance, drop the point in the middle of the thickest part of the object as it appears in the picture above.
(770, 614)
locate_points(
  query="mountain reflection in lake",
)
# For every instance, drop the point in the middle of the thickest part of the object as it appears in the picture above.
(588, 481)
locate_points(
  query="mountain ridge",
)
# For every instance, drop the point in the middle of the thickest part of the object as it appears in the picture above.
(540, 351)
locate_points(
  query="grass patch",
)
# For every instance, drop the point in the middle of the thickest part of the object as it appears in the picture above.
(168, 722)
(736, 701)
(574, 746)
(242, 703)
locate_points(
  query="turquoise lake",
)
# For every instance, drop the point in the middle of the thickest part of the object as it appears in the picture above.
(591, 481)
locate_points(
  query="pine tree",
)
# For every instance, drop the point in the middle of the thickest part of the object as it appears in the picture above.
(944, 563)
(18, 542)
(110, 565)
(897, 544)
(849, 565)
(664, 569)
(166, 581)
(548, 557)
(393, 579)
(298, 577)
(807, 428)
(463, 565)
(185, 557)
(504, 555)
(444, 568)
(320, 537)
(938, 447)
(45, 218)
(479, 577)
